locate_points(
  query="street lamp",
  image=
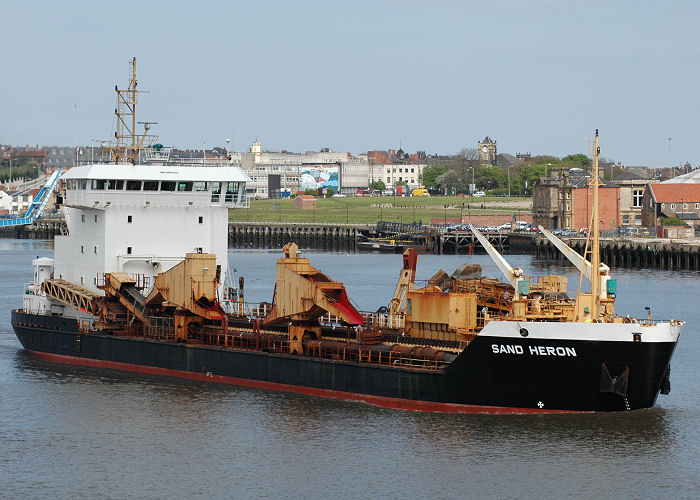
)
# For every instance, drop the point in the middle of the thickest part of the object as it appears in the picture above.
(473, 186)
(508, 181)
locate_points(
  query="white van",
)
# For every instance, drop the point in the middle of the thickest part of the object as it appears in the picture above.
(479, 193)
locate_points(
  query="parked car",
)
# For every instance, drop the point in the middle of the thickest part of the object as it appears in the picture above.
(479, 193)
(339, 195)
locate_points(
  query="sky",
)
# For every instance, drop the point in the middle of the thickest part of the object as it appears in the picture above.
(537, 76)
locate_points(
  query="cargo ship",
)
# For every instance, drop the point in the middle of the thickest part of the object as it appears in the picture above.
(139, 283)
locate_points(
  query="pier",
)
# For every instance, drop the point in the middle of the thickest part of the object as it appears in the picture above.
(644, 253)
(332, 237)
(43, 228)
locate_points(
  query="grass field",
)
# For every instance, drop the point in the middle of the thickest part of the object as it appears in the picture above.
(369, 210)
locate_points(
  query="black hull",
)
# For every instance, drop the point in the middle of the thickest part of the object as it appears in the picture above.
(477, 381)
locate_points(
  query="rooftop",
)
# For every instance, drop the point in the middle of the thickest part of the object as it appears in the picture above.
(670, 193)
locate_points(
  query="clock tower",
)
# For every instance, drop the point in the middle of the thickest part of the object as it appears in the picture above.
(487, 152)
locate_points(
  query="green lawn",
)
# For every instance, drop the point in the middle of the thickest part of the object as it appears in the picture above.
(368, 210)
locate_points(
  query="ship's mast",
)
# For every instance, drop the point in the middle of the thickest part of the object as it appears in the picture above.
(595, 229)
(128, 144)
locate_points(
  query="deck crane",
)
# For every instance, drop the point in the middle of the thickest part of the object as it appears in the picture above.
(303, 294)
(515, 276)
(608, 286)
(407, 278)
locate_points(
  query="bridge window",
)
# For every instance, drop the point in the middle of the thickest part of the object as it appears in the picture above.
(115, 184)
(98, 184)
(231, 190)
(167, 185)
(215, 191)
(133, 185)
(184, 186)
(200, 186)
(150, 185)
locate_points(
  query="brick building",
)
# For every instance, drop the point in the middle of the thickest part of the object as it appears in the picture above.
(681, 200)
(305, 202)
(609, 208)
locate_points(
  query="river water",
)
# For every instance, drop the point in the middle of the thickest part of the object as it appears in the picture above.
(73, 432)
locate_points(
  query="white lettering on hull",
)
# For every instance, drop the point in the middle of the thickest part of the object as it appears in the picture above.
(507, 349)
(534, 350)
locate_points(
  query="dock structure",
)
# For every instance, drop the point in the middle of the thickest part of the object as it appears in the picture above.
(645, 253)
(465, 242)
(42, 228)
(334, 237)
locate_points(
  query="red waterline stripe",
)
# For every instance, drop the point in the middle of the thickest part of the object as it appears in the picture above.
(385, 402)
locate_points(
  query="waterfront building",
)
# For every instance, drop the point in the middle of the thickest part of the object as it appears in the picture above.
(563, 200)
(552, 200)
(632, 186)
(5, 202)
(396, 174)
(667, 200)
(290, 172)
(354, 174)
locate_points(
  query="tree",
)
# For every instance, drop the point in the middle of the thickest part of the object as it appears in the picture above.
(527, 176)
(379, 185)
(671, 221)
(450, 181)
(489, 178)
(579, 160)
(544, 159)
(431, 174)
(468, 155)
(330, 192)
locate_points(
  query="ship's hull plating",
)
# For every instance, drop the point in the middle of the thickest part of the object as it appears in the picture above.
(492, 375)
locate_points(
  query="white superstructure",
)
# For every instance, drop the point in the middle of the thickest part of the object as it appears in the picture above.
(143, 219)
